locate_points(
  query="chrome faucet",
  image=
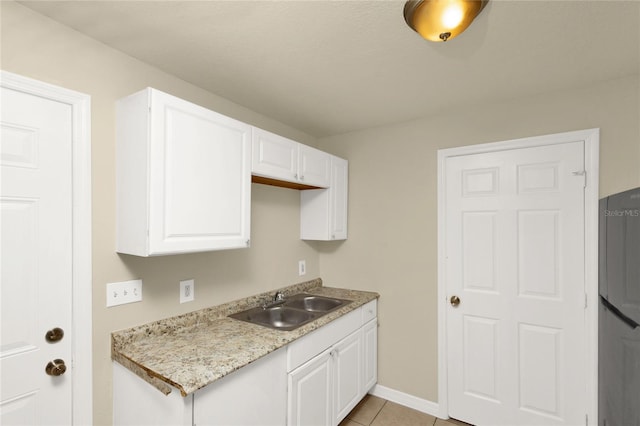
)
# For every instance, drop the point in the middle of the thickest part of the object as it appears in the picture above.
(278, 299)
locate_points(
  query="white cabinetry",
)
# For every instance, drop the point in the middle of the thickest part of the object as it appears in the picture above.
(323, 212)
(315, 380)
(348, 362)
(331, 370)
(311, 392)
(370, 354)
(137, 403)
(279, 158)
(314, 166)
(183, 177)
(254, 395)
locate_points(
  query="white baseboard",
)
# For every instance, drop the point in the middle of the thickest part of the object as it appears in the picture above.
(423, 405)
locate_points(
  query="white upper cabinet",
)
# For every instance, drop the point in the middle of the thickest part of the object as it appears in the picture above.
(183, 177)
(314, 166)
(276, 157)
(323, 212)
(273, 156)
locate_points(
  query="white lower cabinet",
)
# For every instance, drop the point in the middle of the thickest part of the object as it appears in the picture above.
(348, 363)
(315, 380)
(137, 403)
(370, 357)
(311, 392)
(325, 388)
(253, 395)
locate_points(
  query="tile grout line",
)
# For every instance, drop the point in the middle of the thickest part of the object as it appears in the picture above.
(379, 411)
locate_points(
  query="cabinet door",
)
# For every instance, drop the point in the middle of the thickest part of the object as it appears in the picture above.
(254, 395)
(339, 198)
(370, 356)
(200, 178)
(347, 355)
(311, 393)
(273, 156)
(323, 212)
(314, 167)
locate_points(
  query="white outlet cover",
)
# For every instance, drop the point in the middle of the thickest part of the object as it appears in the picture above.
(302, 267)
(187, 291)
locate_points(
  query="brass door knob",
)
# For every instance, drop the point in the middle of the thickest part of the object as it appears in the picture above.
(56, 368)
(455, 301)
(54, 335)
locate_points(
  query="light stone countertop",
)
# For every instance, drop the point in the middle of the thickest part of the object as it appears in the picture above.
(192, 350)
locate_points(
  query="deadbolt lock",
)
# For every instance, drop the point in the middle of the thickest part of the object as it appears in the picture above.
(54, 335)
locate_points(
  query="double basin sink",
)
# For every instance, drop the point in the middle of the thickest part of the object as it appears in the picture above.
(291, 313)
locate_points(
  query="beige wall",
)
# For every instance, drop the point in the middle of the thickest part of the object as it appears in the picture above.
(39, 48)
(392, 218)
(393, 211)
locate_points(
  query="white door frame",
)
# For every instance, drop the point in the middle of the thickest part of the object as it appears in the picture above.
(591, 138)
(82, 384)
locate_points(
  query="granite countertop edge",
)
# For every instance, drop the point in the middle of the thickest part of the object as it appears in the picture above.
(193, 350)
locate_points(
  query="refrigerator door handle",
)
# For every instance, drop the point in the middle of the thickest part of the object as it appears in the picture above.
(622, 317)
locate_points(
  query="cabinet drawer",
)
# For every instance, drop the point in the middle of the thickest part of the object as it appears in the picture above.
(305, 348)
(369, 311)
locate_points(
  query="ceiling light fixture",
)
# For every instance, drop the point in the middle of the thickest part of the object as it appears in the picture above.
(441, 20)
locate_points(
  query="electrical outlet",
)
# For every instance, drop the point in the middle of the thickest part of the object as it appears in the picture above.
(124, 292)
(187, 291)
(302, 267)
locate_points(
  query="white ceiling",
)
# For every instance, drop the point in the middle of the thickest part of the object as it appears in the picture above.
(329, 67)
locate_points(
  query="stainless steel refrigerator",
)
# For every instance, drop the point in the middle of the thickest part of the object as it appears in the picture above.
(619, 311)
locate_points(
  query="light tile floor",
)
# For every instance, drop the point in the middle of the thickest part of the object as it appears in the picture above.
(374, 411)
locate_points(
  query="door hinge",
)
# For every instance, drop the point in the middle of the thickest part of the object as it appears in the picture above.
(586, 420)
(582, 173)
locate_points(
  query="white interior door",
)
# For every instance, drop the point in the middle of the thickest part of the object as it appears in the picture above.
(36, 248)
(515, 250)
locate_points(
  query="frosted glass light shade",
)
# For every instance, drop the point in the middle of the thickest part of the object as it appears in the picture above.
(441, 20)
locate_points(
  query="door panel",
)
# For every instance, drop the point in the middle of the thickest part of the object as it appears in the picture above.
(538, 253)
(36, 258)
(515, 258)
(479, 251)
(539, 369)
(481, 357)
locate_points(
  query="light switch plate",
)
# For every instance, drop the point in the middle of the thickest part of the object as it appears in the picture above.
(124, 292)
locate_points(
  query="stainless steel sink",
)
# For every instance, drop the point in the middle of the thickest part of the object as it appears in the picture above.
(312, 303)
(291, 313)
(278, 317)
